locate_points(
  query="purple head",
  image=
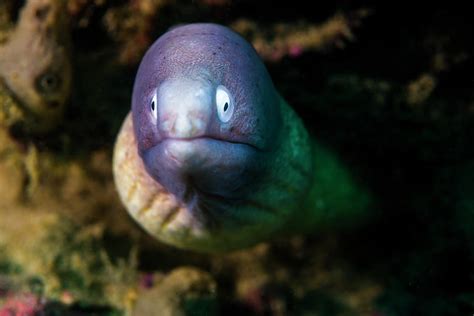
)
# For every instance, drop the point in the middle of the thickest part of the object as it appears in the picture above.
(205, 112)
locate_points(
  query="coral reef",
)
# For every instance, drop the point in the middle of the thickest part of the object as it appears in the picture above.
(382, 86)
(131, 26)
(183, 291)
(35, 65)
(293, 39)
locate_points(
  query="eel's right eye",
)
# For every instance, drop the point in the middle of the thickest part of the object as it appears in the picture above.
(154, 106)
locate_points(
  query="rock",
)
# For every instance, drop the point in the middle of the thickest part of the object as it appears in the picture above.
(184, 291)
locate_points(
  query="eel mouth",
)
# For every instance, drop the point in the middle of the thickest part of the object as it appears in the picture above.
(204, 164)
(204, 137)
(204, 151)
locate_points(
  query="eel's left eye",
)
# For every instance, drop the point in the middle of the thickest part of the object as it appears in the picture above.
(48, 82)
(224, 104)
(154, 106)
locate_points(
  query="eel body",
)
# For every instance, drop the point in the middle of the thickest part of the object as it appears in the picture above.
(211, 157)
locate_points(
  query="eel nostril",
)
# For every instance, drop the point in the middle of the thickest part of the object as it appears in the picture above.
(183, 126)
(166, 125)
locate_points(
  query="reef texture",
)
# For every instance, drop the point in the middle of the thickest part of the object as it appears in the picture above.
(387, 90)
(35, 65)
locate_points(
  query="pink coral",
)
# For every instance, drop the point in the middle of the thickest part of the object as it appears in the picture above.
(22, 305)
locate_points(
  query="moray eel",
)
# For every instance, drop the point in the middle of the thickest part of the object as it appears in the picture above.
(211, 157)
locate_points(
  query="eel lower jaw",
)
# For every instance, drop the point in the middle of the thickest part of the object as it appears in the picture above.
(203, 164)
(203, 151)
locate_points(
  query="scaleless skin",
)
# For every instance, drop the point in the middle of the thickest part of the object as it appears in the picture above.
(211, 157)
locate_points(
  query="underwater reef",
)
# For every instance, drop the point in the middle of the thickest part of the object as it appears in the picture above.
(387, 90)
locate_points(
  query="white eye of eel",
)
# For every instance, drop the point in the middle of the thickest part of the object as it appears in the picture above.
(224, 104)
(154, 106)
